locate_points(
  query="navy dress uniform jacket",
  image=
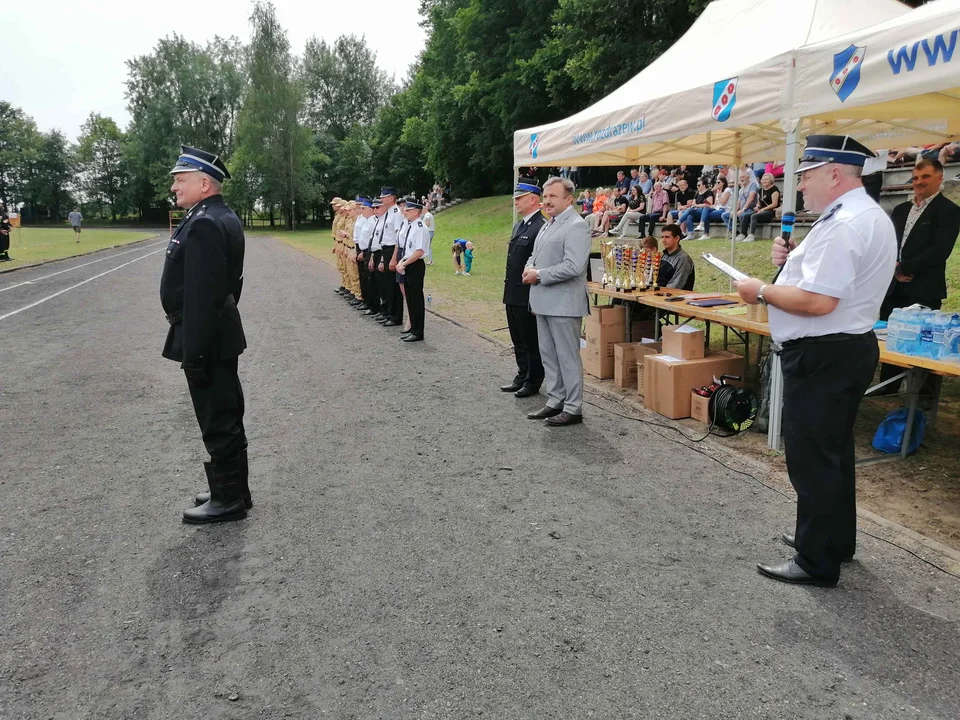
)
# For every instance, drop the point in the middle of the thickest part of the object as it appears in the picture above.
(924, 254)
(201, 283)
(518, 252)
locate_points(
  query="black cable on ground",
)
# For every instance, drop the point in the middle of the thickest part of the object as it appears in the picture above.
(749, 475)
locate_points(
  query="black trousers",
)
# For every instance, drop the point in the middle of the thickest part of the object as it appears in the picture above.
(391, 297)
(823, 384)
(526, 345)
(219, 409)
(896, 298)
(4, 242)
(368, 287)
(416, 307)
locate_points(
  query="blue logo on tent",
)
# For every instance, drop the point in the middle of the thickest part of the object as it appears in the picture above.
(724, 98)
(534, 144)
(846, 71)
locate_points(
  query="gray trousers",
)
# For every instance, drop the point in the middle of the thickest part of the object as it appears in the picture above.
(563, 369)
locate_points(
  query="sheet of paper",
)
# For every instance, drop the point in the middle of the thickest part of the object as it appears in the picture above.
(724, 267)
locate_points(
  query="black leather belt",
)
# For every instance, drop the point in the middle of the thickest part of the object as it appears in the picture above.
(819, 339)
(177, 315)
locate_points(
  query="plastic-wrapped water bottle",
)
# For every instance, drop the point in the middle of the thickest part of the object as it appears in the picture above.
(951, 344)
(941, 323)
(910, 337)
(894, 330)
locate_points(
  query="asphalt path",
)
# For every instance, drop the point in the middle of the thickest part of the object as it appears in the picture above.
(417, 548)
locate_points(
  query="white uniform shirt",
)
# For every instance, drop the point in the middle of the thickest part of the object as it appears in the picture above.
(428, 221)
(358, 230)
(366, 238)
(417, 238)
(394, 221)
(850, 254)
(377, 239)
(402, 238)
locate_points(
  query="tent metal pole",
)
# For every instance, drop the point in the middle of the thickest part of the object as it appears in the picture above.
(516, 179)
(737, 158)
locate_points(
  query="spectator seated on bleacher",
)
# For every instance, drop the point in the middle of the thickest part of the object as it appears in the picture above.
(949, 153)
(636, 204)
(585, 202)
(775, 169)
(616, 207)
(722, 202)
(623, 183)
(916, 153)
(683, 199)
(767, 205)
(646, 184)
(658, 209)
(702, 201)
(599, 208)
(747, 197)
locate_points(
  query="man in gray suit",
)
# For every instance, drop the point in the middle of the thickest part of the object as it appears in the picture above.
(557, 270)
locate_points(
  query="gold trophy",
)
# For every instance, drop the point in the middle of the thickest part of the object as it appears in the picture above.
(634, 261)
(655, 275)
(618, 255)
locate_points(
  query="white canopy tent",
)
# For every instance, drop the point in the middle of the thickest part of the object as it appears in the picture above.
(892, 84)
(695, 104)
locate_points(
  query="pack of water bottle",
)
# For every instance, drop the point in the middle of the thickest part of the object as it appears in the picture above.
(922, 332)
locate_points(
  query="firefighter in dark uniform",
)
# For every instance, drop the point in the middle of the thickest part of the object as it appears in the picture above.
(5, 230)
(199, 290)
(516, 295)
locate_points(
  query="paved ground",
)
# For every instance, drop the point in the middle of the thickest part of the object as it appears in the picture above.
(417, 550)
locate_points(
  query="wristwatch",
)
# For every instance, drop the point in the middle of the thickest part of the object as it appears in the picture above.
(760, 298)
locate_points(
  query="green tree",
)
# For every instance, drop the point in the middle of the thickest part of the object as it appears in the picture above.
(100, 160)
(275, 143)
(180, 93)
(50, 176)
(19, 146)
(343, 85)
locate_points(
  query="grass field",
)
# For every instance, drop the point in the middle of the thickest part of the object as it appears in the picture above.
(922, 493)
(33, 245)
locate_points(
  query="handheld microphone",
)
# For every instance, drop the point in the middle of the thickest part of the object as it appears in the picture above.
(786, 230)
(786, 226)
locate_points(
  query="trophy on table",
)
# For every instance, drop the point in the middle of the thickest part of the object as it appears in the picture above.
(655, 271)
(606, 252)
(634, 261)
(618, 255)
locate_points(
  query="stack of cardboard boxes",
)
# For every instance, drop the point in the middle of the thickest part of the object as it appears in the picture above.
(671, 376)
(606, 327)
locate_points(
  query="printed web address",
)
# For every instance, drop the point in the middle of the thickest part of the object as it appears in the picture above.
(611, 131)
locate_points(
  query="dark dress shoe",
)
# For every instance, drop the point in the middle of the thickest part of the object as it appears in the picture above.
(563, 418)
(544, 413)
(368, 312)
(363, 306)
(413, 338)
(526, 392)
(790, 572)
(511, 387)
(391, 323)
(340, 290)
(790, 540)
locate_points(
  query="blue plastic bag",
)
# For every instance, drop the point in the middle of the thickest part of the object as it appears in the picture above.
(889, 436)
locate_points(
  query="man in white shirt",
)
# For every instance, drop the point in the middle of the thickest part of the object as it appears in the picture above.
(823, 305)
(413, 269)
(431, 225)
(391, 299)
(370, 259)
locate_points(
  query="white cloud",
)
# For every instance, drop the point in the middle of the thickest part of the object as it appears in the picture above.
(62, 59)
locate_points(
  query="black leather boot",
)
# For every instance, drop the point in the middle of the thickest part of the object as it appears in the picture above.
(226, 499)
(242, 466)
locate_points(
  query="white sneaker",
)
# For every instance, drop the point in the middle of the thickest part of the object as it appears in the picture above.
(749, 238)
(704, 237)
(688, 236)
(698, 228)
(740, 237)
(457, 273)
(467, 274)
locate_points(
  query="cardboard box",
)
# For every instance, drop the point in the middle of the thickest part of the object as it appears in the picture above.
(670, 380)
(700, 408)
(758, 313)
(625, 356)
(683, 341)
(605, 327)
(643, 349)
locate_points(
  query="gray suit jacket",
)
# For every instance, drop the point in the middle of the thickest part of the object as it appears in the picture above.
(561, 253)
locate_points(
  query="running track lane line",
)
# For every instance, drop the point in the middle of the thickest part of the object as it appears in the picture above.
(77, 267)
(74, 287)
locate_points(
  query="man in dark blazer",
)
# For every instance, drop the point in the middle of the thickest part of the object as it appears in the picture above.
(927, 227)
(199, 291)
(516, 294)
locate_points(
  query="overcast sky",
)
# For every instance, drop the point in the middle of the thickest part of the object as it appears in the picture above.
(60, 60)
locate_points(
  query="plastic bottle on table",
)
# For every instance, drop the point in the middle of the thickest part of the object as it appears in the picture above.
(910, 333)
(894, 329)
(941, 323)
